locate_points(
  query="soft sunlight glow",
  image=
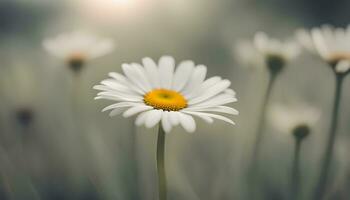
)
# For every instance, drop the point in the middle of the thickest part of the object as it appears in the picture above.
(121, 2)
(111, 11)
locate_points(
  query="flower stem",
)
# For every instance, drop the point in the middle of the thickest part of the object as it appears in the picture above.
(324, 173)
(134, 163)
(161, 164)
(253, 165)
(261, 123)
(295, 175)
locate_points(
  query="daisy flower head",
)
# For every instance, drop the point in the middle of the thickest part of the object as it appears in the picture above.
(276, 53)
(247, 54)
(295, 119)
(162, 93)
(78, 47)
(330, 44)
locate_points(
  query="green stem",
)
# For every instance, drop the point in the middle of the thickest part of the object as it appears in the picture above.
(324, 173)
(133, 171)
(162, 185)
(253, 165)
(295, 175)
(261, 124)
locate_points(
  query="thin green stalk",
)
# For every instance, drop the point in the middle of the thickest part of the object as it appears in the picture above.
(25, 185)
(295, 175)
(76, 96)
(162, 185)
(253, 165)
(324, 173)
(261, 124)
(132, 165)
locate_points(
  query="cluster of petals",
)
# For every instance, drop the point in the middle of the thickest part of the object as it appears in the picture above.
(331, 44)
(285, 118)
(80, 44)
(205, 98)
(257, 51)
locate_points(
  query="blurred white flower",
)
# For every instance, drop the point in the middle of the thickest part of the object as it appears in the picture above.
(162, 94)
(247, 54)
(78, 47)
(265, 51)
(331, 44)
(287, 50)
(290, 118)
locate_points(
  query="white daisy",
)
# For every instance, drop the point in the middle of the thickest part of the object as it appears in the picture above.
(288, 49)
(295, 119)
(159, 93)
(247, 54)
(267, 51)
(78, 47)
(331, 44)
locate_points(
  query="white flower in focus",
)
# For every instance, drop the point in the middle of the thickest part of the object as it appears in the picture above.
(290, 118)
(78, 47)
(163, 93)
(331, 44)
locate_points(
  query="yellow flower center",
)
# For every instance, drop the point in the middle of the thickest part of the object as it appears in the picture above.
(164, 99)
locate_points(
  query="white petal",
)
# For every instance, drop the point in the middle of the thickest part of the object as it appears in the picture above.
(102, 48)
(123, 92)
(305, 39)
(211, 81)
(56, 50)
(101, 87)
(152, 71)
(204, 86)
(153, 117)
(174, 118)
(142, 75)
(218, 100)
(230, 92)
(320, 43)
(117, 111)
(203, 117)
(134, 76)
(120, 96)
(166, 71)
(342, 66)
(261, 42)
(119, 77)
(119, 105)
(116, 98)
(196, 80)
(182, 75)
(187, 122)
(136, 109)
(215, 116)
(113, 85)
(141, 118)
(166, 122)
(220, 109)
(124, 81)
(210, 92)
